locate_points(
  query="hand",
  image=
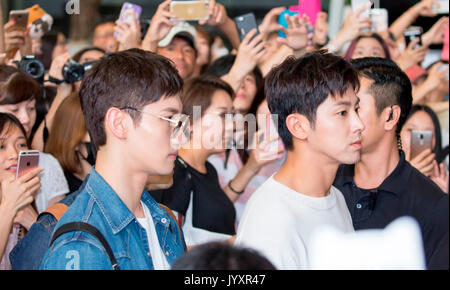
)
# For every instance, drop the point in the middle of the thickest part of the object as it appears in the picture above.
(18, 193)
(128, 34)
(14, 39)
(250, 52)
(424, 162)
(26, 217)
(424, 8)
(159, 27)
(217, 14)
(264, 152)
(270, 21)
(440, 176)
(436, 76)
(412, 56)
(57, 65)
(321, 29)
(296, 33)
(436, 34)
(352, 27)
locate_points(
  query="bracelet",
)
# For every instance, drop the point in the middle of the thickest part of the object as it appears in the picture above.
(237, 192)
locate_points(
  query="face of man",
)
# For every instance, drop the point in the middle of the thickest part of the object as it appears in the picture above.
(373, 123)
(104, 36)
(182, 54)
(150, 145)
(337, 130)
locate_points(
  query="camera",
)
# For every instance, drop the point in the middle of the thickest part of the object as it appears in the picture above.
(32, 66)
(73, 72)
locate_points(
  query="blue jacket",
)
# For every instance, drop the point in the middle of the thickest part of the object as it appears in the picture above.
(100, 206)
(29, 251)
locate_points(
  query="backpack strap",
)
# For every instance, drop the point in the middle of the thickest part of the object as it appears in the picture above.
(177, 221)
(85, 227)
(57, 210)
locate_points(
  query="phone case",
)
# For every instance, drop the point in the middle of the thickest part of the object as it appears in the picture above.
(411, 34)
(27, 160)
(20, 19)
(445, 51)
(357, 4)
(245, 23)
(380, 19)
(190, 10)
(420, 141)
(282, 20)
(125, 13)
(310, 8)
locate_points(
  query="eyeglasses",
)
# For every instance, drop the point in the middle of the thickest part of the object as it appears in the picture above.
(179, 122)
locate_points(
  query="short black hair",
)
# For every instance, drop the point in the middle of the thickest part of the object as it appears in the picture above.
(301, 85)
(220, 256)
(391, 85)
(133, 78)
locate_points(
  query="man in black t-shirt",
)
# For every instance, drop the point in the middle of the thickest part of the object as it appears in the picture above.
(383, 186)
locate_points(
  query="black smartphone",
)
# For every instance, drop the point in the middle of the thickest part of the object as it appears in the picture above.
(411, 34)
(245, 23)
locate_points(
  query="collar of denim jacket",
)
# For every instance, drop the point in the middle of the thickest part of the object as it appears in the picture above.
(114, 209)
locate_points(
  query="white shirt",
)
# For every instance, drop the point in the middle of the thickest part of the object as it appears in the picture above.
(53, 181)
(279, 222)
(158, 258)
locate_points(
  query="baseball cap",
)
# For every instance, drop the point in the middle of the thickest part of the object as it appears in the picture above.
(182, 30)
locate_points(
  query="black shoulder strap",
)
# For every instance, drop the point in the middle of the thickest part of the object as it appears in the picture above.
(84, 227)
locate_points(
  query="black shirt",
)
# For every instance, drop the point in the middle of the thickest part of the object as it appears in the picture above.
(73, 181)
(405, 192)
(212, 210)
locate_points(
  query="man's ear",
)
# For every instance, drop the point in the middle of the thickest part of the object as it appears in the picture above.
(298, 125)
(117, 122)
(392, 116)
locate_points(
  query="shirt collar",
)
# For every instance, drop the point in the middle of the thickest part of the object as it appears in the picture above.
(112, 207)
(394, 183)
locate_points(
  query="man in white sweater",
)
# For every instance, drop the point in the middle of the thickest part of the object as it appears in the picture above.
(314, 99)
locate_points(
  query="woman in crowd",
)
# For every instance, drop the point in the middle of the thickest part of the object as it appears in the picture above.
(17, 209)
(423, 118)
(18, 93)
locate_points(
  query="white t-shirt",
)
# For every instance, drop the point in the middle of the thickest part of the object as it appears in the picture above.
(278, 222)
(53, 181)
(158, 258)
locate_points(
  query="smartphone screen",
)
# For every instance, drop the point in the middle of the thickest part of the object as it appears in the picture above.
(420, 141)
(28, 160)
(245, 23)
(412, 33)
(190, 10)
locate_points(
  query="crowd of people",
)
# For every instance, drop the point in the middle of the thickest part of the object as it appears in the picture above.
(174, 152)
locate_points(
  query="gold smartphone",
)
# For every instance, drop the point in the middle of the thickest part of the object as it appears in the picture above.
(190, 10)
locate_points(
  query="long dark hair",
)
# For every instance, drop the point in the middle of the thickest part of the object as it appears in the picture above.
(376, 36)
(6, 120)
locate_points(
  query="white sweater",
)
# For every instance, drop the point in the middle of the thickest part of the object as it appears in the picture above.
(278, 222)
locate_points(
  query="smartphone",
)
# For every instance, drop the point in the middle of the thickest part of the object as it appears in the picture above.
(310, 8)
(19, 18)
(411, 34)
(379, 17)
(445, 53)
(245, 23)
(126, 15)
(440, 7)
(357, 4)
(190, 10)
(420, 141)
(28, 160)
(282, 20)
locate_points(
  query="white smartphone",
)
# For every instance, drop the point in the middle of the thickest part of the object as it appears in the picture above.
(357, 4)
(28, 159)
(440, 7)
(380, 19)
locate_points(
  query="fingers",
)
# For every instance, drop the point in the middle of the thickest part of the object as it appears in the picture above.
(363, 8)
(30, 175)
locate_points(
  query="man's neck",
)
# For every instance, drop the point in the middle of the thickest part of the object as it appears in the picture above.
(375, 166)
(196, 158)
(122, 178)
(307, 173)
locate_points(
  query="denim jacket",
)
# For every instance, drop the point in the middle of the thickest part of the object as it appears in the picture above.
(29, 251)
(101, 207)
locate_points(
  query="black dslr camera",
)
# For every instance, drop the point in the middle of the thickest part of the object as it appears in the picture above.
(73, 72)
(32, 66)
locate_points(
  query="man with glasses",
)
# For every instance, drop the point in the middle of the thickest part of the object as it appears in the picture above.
(132, 107)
